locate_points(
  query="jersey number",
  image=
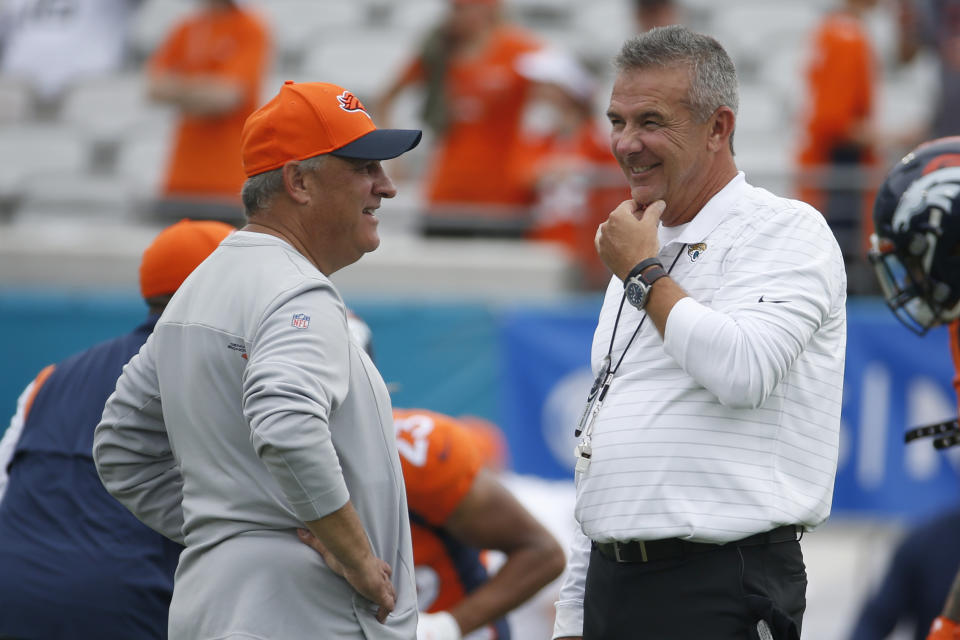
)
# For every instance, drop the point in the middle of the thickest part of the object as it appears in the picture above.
(412, 438)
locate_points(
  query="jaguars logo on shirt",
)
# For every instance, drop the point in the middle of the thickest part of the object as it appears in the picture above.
(696, 250)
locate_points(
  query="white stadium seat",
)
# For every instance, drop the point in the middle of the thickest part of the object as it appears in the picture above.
(142, 157)
(363, 60)
(76, 197)
(39, 149)
(105, 107)
(16, 99)
(153, 22)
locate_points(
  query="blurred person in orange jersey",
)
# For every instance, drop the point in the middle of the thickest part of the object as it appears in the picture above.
(566, 161)
(459, 509)
(839, 140)
(473, 104)
(210, 68)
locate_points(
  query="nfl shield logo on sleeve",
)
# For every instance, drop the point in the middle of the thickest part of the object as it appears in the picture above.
(301, 320)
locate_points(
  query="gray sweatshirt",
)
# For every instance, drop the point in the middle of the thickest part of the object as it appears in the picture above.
(248, 412)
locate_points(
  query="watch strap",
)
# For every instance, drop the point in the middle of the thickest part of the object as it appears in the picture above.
(652, 275)
(643, 264)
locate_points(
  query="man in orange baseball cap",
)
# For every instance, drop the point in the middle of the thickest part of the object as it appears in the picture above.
(60, 531)
(272, 419)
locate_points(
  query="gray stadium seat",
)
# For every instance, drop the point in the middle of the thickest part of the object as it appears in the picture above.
(154, 21)
(364, 60)
(142, 157)
(752, 30)
(39, 149)
(296, 24)
(16, 99)
(105, 107)
(76, 197)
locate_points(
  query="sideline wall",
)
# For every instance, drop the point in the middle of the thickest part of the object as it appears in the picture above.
(526, 368)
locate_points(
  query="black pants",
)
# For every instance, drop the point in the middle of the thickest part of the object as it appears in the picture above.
(720, 595)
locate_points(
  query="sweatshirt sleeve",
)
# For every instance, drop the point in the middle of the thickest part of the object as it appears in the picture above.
(132, 451)
(297, 376)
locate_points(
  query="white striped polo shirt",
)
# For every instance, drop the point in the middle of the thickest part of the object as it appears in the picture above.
(730, 425)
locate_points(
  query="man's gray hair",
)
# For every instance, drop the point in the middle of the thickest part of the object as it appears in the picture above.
(713, 78)
(258, 191)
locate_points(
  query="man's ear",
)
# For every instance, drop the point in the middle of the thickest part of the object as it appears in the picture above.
(294, 182)
(722, 123)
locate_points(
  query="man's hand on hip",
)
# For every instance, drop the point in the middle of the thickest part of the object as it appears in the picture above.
(629, 235)
(371, 579)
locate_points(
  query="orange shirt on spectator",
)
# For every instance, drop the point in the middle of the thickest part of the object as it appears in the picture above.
(840, 101)
(577, 183)
(485, 98)
(232, 44)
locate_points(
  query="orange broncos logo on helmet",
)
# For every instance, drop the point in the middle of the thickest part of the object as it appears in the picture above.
(350, 102)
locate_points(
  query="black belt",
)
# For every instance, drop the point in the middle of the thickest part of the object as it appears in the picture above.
(653, 550)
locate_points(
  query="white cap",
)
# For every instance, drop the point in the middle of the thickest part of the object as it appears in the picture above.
(557, 67)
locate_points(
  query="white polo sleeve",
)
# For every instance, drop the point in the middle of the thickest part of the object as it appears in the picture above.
(132, 451)
(781, 281)
(298, 374)
(569, 618)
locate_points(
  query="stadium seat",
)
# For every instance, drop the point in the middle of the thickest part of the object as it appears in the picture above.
(898, 108)
(295, 24)
(16, 99)
(411, 19)
(154, 21)
(142, 157)
(602, 28)
(76, 197)
(105, 107)
(752, 31)
(39, 149)
(761, 111)
(365, 60)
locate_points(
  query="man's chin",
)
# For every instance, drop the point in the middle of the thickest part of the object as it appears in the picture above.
(643, 195)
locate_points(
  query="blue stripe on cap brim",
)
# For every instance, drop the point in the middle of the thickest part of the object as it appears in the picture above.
(380, 144)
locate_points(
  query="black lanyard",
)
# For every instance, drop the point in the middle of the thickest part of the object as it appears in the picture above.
(602, 383)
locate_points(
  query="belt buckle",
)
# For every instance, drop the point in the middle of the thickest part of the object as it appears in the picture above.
(616, 551)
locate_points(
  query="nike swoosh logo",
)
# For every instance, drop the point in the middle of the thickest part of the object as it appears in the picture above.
(772, 301)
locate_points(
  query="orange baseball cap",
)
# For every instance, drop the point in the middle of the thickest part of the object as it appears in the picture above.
(176, 252)
(310, 118)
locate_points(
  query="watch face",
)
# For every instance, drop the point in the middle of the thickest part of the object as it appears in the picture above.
(636, 294)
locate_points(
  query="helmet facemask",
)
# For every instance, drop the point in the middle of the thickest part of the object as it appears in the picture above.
(916, 252)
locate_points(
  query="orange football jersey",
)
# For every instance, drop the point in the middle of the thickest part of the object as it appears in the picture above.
(439, 464)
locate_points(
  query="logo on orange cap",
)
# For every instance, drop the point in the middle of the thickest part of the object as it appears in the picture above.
(350, 102)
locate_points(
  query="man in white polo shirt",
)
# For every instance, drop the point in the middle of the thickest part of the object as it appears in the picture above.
(709, 442)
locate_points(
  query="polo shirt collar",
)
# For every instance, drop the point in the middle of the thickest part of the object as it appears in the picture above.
(708, 217)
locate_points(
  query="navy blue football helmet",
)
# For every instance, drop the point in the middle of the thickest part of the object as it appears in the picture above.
(916, 242)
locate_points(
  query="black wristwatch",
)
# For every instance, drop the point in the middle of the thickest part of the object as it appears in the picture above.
(641, 279)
